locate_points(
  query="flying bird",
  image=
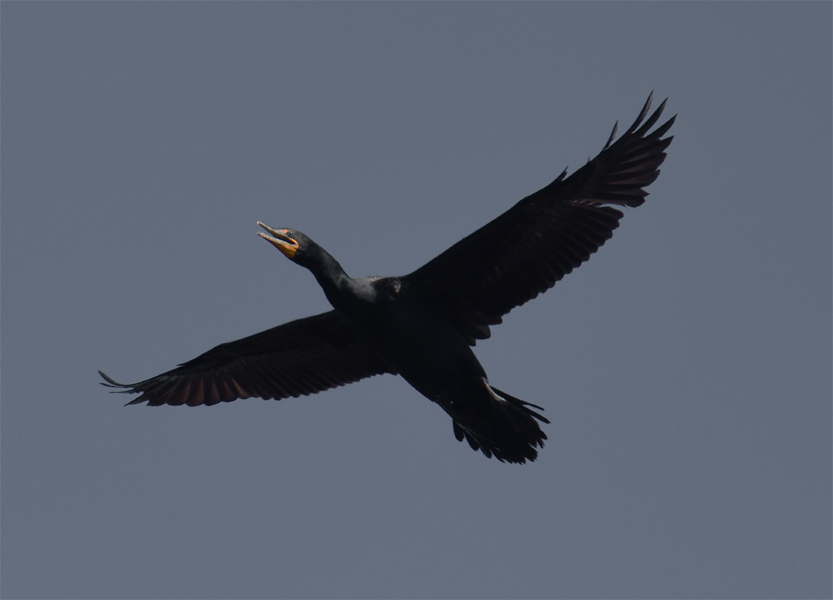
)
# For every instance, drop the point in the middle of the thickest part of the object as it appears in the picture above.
(422, 326)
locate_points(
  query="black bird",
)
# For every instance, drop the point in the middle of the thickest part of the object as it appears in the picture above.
(422, 325)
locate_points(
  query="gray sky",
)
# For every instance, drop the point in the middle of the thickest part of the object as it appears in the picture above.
(686, 368)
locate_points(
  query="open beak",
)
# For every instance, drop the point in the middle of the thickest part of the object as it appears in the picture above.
(279, 240)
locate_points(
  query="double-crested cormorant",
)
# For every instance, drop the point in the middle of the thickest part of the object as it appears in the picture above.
(422, 326)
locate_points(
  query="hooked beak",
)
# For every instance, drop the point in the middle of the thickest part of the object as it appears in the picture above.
(279, 240)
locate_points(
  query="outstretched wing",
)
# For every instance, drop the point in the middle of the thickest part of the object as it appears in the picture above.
(297, 358)
(523, 252)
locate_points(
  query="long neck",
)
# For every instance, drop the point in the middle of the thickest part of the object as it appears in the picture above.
(337, 285)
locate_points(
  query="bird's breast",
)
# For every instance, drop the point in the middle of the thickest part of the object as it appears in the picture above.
(424, 348)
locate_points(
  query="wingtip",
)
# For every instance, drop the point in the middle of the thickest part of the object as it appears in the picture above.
(643, 113)
(612, 135)
(108, 381)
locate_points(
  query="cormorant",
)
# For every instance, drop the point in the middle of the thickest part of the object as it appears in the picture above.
(422, 325)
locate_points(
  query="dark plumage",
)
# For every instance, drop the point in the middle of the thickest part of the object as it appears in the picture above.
(422, 326)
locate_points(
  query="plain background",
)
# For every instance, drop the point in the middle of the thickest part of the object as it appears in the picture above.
(686, 368)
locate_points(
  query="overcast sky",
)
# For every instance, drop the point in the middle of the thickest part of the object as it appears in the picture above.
(686, 368)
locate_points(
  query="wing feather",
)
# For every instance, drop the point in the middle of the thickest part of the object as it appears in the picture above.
(530, 247)
(298, 358)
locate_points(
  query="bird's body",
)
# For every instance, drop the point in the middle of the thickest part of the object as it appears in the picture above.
(422, 326)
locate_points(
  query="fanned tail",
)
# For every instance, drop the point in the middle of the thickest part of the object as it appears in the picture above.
(508, 430)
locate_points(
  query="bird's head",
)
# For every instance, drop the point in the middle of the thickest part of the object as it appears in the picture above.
(286, 240)
(301, 250)
(296, 246)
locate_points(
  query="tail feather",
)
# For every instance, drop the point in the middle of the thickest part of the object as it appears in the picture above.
(505, 427)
